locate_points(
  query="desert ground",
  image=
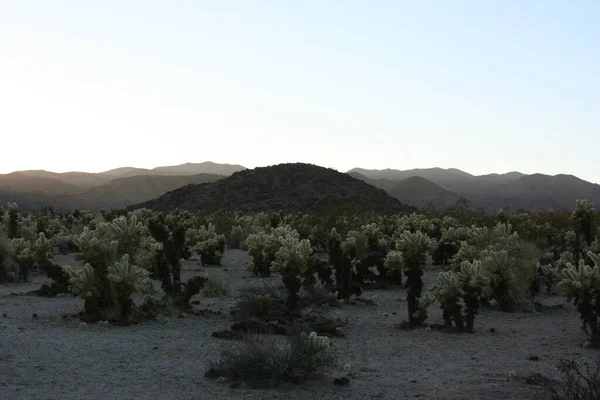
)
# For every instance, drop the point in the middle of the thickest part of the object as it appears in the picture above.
(44, 354)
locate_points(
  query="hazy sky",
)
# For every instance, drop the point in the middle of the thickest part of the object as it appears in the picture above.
(484, 86)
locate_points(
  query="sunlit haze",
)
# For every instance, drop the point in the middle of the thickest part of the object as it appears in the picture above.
(480, 86)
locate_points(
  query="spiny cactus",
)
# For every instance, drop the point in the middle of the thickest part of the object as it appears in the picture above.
(583, 219)
(448, 245)
(258, 249)
(168, 258)
(343, 258)
(414, 248)
(510, 263)
(262, 247)
(423, 304)
(465, 287)
(13, 220)
(210, 245)
(551, 275)
(581, 284)
(294, 259)
(127, 279)
(23, 256)
(314, 344)
(394, 263)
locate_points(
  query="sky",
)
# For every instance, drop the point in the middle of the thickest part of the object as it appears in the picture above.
(492, 86)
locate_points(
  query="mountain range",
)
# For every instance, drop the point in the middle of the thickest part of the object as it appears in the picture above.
(117, 188)
(513, 191)
(441, 188)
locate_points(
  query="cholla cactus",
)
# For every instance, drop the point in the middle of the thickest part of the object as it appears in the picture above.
(258, 249)
(551, 275)
(564, 259)
(583, 219)
(82, 282)
(510, 264)
(127, 279)
(582, 286)
(43, 250)
(467, 286)
(294, 259)
(394, 261)
(237, 235)
(23, 256)
(448, 245)
(314, 344)
(423, 304)
(263, 247)
(210, 246)
(9, 269)
(414, 248)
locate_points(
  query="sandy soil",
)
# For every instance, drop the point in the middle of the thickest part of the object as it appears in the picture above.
(51, 358)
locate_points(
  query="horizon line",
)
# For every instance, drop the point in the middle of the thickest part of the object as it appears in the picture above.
(299, 162)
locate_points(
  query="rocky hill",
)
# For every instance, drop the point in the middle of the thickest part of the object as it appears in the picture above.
(287, 187)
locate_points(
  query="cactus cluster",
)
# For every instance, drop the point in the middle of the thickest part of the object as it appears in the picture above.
(460, 293)
(209, 245)
(414, 247)
(581, 284)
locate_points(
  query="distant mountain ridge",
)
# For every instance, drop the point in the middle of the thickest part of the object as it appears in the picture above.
(115, 188)
(420, 188)
(513, 190)
(206, 167)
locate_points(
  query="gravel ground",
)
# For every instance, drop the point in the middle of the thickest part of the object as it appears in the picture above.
(49, 357)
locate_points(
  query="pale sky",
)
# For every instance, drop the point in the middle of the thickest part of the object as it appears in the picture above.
(483, 86)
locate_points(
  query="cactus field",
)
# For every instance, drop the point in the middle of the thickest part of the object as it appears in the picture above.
(182, 305)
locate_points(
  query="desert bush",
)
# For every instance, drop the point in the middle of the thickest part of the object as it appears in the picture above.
(579, 382)
(263, 363)
(581, 285)
(269, 303)
(214, 287)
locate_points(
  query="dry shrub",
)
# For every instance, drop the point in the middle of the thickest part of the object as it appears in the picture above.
(263, 362)
(269, 303)
(579, 382)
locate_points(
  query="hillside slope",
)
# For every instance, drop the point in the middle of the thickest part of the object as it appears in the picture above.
(419, 192)
(414, 191)
(287, 187)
